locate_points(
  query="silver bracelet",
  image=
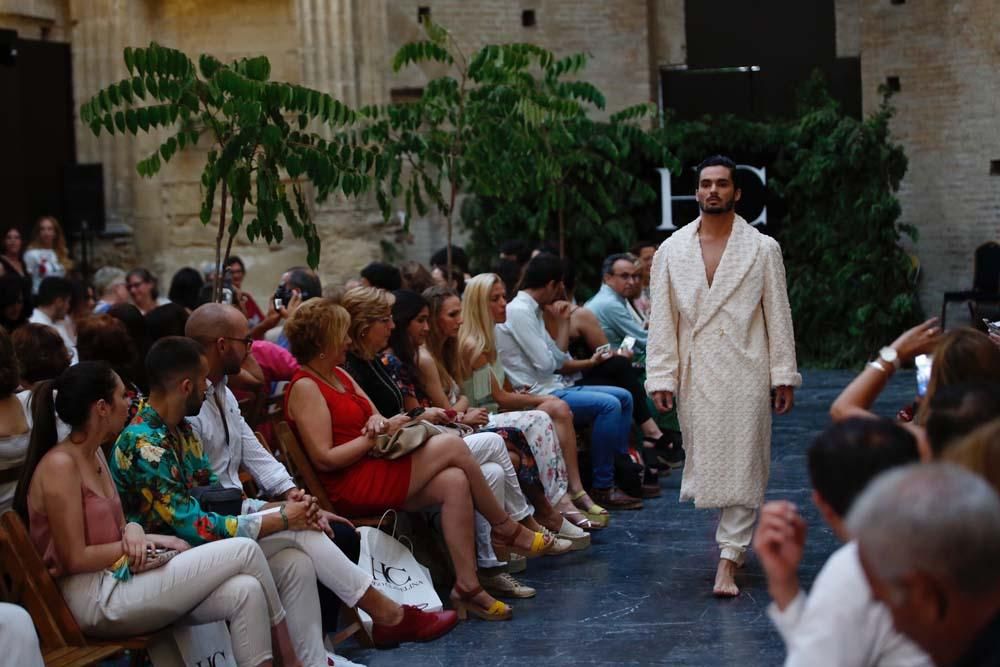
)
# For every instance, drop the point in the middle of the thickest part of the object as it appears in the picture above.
(877, 365)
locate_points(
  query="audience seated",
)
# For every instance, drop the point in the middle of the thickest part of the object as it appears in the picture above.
(12, 262)
(545, 420)
(52, 309)
(47, 255)
(979, 452)
(415, 276)
(643, 252)
(612, 306)
(81, 305)
(928, 538)
(838, 624)
(515, 250)
(237, 272)
(538, 365)
(459, 260)
(111, 288)
(142, 287)
(510, 273)
(76, 521)
(328, 410)
(40, 352)
(158, 465)
(14, 428)
(298, 284)
(381, 275)
(230, 444)
(957, 410)
(184, 288)
(135, 324)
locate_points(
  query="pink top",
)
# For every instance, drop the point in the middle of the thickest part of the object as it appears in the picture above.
(102, 524)
(277, 363)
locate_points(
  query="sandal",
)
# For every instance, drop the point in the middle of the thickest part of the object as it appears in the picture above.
(540, 542)
(597, 514)
(464, 605)
(580, 520)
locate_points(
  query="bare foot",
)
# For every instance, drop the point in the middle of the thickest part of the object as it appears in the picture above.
(725, 583)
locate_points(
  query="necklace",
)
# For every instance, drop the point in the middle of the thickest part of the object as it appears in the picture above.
(329, 381)
(386, 381)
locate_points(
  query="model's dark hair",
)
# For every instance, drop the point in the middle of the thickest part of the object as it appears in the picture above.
(171, 357)
(405, 309)
(845, 457)
(70, 396)
(542, 270)
(382, 275)
(719, 161)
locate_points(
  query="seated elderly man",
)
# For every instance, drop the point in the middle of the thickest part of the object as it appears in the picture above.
(838, 624)
(612, 304)
(929, 541)
(230, 443)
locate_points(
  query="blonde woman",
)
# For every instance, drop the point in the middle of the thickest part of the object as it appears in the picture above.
(485, 384)
(47, 254)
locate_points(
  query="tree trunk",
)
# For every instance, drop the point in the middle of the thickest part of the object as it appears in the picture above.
(217, 287)
(562, 233)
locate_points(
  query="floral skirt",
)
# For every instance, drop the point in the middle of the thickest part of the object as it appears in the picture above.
(544, 445)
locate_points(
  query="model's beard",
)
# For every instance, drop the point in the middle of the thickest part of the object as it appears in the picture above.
(726, 207)
(192, 406)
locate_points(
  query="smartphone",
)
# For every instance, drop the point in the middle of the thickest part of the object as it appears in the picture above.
(604, 349)
(923, 363)
(992, 327)
(278, 304)
(627, 343)
(227, 295)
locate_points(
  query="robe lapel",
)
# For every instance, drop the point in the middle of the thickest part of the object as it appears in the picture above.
(741, 251)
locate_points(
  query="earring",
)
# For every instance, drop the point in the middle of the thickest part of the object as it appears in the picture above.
(322, 355)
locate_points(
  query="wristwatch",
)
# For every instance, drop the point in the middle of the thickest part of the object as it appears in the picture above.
(890, 356)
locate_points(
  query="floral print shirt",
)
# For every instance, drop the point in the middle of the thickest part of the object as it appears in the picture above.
(154, 472)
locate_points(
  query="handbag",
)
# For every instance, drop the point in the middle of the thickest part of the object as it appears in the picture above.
(403, 441)
(219, 499)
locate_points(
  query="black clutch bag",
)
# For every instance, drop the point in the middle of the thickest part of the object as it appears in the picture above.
(219, 499)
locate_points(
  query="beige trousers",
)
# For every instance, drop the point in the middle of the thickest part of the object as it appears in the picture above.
(228, 580)
(18, 638)
(735, 532)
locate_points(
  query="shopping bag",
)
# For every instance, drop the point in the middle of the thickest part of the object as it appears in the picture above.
(206, 645)
(395, 572)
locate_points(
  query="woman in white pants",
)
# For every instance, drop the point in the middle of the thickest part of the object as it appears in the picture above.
(76, 521)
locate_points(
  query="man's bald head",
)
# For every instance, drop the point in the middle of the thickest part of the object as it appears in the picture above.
(222, 330)
(212, 320)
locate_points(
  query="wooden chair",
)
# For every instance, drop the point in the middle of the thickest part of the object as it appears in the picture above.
(27, 582)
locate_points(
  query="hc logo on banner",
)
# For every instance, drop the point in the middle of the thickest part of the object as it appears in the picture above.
(759, 182)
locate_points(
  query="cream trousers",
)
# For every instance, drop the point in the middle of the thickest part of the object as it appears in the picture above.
(228, 580)
(18, 638)
(735, 532)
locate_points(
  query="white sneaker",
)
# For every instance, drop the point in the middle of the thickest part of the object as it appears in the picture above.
(578, 536)
(505, 586)
(516, 563)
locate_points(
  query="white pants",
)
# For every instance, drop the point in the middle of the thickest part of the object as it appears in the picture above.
(490, 452)
(18, 638)
(228, 580)
(735, 532)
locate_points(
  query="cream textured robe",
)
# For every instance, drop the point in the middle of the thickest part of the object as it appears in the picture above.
(721, 349)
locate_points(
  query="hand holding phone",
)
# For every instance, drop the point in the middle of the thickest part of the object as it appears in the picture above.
(603, 350)
(627, 343)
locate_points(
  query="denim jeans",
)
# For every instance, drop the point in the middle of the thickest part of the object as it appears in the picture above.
(609, 409)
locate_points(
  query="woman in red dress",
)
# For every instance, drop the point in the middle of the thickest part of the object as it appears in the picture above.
(338, 425)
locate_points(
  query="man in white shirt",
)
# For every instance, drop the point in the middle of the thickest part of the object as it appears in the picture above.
(536, 362)
(229, 442)
(839, 624)
(52, 309)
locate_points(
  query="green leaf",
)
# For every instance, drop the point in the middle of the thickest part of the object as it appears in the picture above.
(125, 90)
(138, 88)
(152, 87)
(108, 123)
(120, 121)
(142, 115)
(129, 59)
(140, 61)
(259, 68)
(132, 121)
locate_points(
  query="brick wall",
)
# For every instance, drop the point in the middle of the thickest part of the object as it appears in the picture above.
(947, 56)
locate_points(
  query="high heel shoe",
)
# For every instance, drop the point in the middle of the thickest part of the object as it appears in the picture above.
(540, 543)
(464, 605)
(594, 512)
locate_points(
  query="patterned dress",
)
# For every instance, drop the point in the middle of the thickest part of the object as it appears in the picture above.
(536, 426)
(155, 472)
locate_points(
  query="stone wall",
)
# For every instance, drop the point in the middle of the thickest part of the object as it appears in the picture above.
(947, 58)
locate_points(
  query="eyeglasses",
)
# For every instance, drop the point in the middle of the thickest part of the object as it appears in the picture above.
(627, 276)
(248, 341)
(133, 286)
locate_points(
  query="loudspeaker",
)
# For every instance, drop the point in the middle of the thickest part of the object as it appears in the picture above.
(83, 198)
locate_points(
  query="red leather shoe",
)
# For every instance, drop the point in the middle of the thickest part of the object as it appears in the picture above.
(417, 626)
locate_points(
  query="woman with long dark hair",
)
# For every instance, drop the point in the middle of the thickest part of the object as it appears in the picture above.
(76, 522)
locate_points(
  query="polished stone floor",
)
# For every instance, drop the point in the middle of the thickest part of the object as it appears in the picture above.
(641, 595)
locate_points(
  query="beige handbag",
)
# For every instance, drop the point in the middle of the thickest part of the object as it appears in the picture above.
(403, 441)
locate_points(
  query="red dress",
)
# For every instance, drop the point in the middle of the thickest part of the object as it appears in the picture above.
(368, 486)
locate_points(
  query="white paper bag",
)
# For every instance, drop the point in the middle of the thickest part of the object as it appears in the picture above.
(395, 572)
(207, 645)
